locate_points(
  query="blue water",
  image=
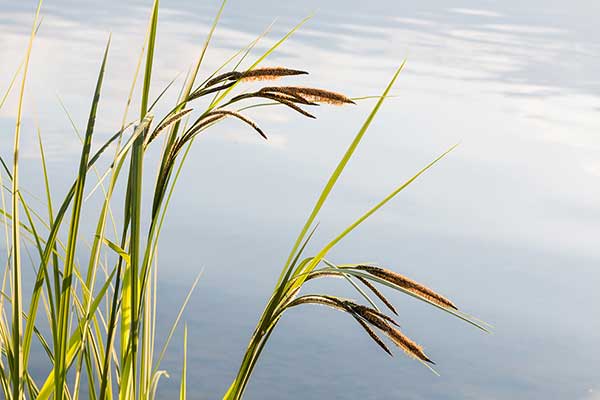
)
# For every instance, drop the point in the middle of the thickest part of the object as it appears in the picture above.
(507, 226)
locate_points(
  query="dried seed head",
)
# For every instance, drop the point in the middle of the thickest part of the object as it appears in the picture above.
(372, 334)
(375, 317)
(211, 118)
(408, 284)
(198, 126)
(233, 76)
(318, 299)
(269, 73)
(328, 274)
(240, 117)
(283, 100)
(382, 322)
(258, 74)
(313, 95)
(406, 344)
(286, 94)
(346, 306)
(324, 96)
(208, 90)
(373, 289)
(366, 316)
(166, 123)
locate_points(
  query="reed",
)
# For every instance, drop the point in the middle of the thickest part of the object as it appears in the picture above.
(100, 304)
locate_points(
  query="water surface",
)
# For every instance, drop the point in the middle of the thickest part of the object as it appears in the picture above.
(507, 225)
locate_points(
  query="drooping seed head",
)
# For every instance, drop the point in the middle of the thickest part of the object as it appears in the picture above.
(410, 347)
(269, 73)
(313, 95)
(366, 316)
(317, 299)
(372, 315)
(380, 295)
(408, 284)
(286, 94)
(258, 74)
(238, 116)
(286, 102)
(166, 123)
(197, 127)
(233, 76)
(372, 334)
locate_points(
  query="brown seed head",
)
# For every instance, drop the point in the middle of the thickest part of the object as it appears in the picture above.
(375, 317)
(366, 316)
(238, 116)
(284, 100)
(317, 299)
(197, 127)
(313, 95)
(167, 122)
(372, 334)
(408, 284)
(233, 76)
(284, 93)
(378, 294)
(342, 305)
(406, 344)
(269, 73)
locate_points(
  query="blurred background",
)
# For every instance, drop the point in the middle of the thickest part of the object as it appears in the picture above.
(507, 225)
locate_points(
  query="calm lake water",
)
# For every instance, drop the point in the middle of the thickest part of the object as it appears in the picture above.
(508, 225)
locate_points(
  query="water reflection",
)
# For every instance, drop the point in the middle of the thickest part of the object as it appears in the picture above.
(507, 225)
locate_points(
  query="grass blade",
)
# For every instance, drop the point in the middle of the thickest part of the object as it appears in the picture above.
(338, 171)
(176, 322)
(65, 298)
(17, 370)
(319, 257)
(261, 59)
(149, 59)
(183, 386)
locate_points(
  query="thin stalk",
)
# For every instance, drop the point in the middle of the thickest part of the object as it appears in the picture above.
(17, 370)
(65, 297)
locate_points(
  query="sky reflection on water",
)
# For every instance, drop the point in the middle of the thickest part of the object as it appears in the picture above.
(507, 225)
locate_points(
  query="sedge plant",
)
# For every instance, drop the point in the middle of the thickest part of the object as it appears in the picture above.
(93, 312)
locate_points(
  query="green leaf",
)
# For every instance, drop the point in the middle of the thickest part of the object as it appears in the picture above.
(117, 249)
(64, 304)
(17, 371)
(319, 257)
(183, 386)
(338, 171)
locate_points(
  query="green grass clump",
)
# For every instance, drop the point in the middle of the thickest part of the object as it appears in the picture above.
(101, 317)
